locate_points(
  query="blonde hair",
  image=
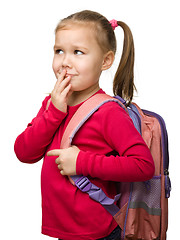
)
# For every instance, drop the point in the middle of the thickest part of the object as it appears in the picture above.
(123, 84)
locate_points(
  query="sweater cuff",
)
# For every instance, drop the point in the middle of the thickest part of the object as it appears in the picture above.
(56, 112)
(79, 162)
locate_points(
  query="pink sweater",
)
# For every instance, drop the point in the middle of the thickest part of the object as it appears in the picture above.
(111, 150)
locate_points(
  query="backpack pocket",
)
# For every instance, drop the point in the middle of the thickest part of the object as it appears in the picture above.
(144, 212)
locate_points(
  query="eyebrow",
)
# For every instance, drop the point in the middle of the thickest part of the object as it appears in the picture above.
(75, 47)
(56, 47)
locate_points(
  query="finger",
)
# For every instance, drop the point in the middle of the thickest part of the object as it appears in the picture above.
(67, 91)
(60, 78)
(64, 83)
(61, 85)
(60, 168)
(62, 172)
(55, 152)
(61, 73)
(57, 161)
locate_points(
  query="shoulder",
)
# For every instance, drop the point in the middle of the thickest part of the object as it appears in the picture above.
(107, 103)
(112, 115)
(112, 108)
(115, 124)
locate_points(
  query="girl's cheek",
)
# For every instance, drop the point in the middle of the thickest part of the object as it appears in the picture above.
(56, 65)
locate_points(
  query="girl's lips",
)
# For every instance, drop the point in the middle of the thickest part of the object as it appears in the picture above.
(70, 75)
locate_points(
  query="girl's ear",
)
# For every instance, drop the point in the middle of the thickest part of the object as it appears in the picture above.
(108, 60)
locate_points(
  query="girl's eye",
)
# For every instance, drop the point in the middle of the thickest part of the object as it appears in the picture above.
(78, 52)
(59, 51)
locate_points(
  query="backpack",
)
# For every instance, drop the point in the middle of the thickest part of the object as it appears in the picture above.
(142, 209)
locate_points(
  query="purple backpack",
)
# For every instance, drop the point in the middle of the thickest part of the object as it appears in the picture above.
(140, 208)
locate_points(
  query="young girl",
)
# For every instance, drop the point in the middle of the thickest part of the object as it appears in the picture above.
(107, 148)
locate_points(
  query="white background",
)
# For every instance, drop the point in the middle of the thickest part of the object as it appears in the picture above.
(26, 52)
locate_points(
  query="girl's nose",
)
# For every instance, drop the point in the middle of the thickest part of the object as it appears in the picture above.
(66, 62)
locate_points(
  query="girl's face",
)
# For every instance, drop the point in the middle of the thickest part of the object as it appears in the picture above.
(77, 51)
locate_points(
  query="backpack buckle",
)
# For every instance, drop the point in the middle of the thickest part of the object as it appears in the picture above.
(83, 184)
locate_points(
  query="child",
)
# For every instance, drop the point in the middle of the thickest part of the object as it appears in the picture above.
(107, 148)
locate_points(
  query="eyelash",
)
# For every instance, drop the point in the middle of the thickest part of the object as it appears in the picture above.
(75, 52)
(58, 51)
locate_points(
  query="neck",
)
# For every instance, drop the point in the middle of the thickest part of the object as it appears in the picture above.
(80, 96)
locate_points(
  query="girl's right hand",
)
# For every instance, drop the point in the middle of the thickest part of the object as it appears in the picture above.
(61, 92)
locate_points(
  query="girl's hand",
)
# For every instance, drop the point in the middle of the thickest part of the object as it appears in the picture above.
(66, 160)
(61, 92)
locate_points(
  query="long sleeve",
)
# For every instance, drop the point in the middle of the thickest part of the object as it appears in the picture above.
(132, 161)
(31, 144)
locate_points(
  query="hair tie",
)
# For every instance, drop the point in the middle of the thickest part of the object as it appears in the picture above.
(113, 23)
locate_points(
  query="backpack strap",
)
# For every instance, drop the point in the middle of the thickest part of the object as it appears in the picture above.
(84, 112)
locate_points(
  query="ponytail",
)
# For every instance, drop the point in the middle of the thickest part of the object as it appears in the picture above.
(123, 84)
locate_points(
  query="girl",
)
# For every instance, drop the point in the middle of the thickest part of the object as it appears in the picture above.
(107, 148)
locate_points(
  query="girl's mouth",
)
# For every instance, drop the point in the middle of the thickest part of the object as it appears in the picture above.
(69, 75)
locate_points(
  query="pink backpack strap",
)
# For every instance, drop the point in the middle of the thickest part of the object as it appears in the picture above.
(79, 118)
(83, 113)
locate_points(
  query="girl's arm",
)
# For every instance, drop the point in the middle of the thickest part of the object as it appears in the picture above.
(133, 162)
(30, 145)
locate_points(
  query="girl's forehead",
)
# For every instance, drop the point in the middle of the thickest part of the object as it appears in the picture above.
(75, 25)
(75, 33)
(74, 28)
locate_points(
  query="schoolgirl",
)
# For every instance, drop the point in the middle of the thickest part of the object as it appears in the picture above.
(107, 148)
